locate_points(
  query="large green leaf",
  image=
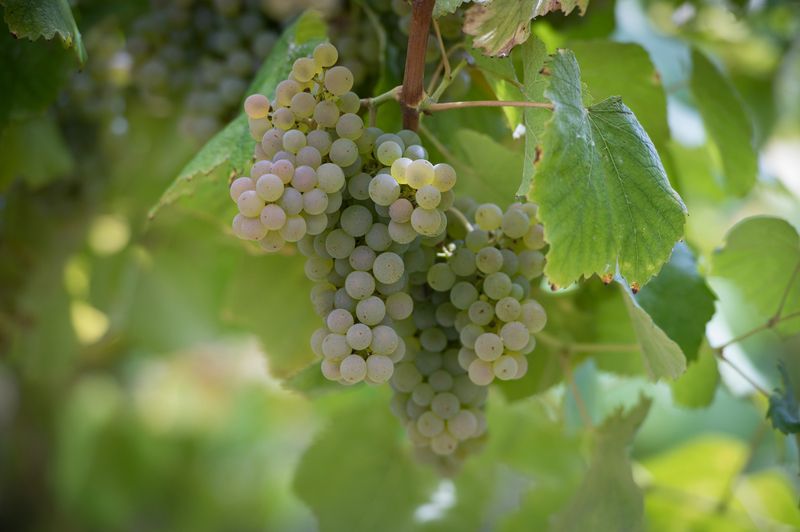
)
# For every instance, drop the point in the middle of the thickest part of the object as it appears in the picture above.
(534, 54)
(603, 195)
(662, 357)
(608, 498)
(205, 177)
(501, 76)
(624, 69)
(355, 476)
(269, 296)
(760, 266)
(727, 124)
(697, 387)
(500, 25)
(44, 18)
(679, 301)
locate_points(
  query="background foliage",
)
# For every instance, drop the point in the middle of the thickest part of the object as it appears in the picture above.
(155, 373)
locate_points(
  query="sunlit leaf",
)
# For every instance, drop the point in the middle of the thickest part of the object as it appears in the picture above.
(534, 54)
(603, 195)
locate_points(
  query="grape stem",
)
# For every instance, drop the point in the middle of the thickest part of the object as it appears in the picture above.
(442, 49)
(433, 107)
(461, 218)
(414, 72)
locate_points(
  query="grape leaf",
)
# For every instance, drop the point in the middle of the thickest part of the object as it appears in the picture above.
(231, 150)
(784, 409)
(355, 476)
(603, 195)
(267, 295)
(21, 146)
(446, 7)
(534, 54)
(662, 357)
(729, 128)
(501, 76)
(624, 69)
(760, 265)
(44, 18)
(608, 498)
(500, 25)
(486, 170)
(697, 387)
(679, 301)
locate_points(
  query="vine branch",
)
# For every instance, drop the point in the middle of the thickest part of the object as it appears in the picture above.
(413, 77)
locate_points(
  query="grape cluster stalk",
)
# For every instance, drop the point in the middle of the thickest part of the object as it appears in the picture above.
(416, 288)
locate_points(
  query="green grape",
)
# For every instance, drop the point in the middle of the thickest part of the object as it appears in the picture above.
(317, 268)
(338, 80)
(510, 262)
(371, 310)
(440, 277)
(250, 203)
(415, 152)
(522, 365)
(353, 369)
(409, 137)
(359, 285)
(497, 285)
(273, 217)
(240, 185)
(515, 336)
(294, 140)
(304, 69)
(388, 152)
(260, 168)
(469, 334)
(309, 156)
(399, 306)
(481, 313)
(316, 223)
(321, 140)
(505, 368)
(426, 222)
(335, 347)
(422, 394)
(388, 267)
(419, 173)
(349, 102)
(339, 244)
(463, 294)
(359, 336)
(534, 238)
(358, 186)
(533, 316)
(248, 228)
(272, 141)
(330, 178)
(444, 444)
(481, 372)
(383, 189)
(350, 126)
(325, 55)
(398, 169)
(285, 91)
(304, 178)
(515, 223)
(433, 339)
(445, 405)
(294, 229)
(302, 104)
(330, 370)
(362, 258)
(489, 260)
(283, 169)
(488, 216)
(256, 106)
(400, 209)
(444, 177)
(379, 368)
(343, 152)
(428, 197)
(463, 425)
(258, 126)
(283, 118)
(508, 309)
(326, 114)
(315, 201)
(356, 220)
(462, 262)
(291, 201)
(384, 340)
(379, 238)
(531, 263)
(430, 425)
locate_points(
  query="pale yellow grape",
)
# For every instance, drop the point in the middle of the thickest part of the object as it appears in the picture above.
(249, 203)
(291, 201)
(303, 104)
(399, 306)
(522, 364)
(285, 91)
(481, 372)
(349, 102)
(505, 368)
(304, 69)
(321, 140)
(283, 118)
(283, 169)
(258, 126)
(315, 201)
(444, 177)
(256, 106)
(248, 228)
(534, 238)
(325, 55)
(317, 268)
(309, 156)
(488, 217)
(304, 178)
(353, 369)
(330, 370)
(272, 242)
(533, 316)
(444, 444)
(508, 309)
(465, 357)
(515, 223)
(269, 187)
(398, 169)
(422, 394)
(379, 368)
(445, 405)
(430, 425)
(273, 217)
(371, 310)
(400, 210)
(338, 80)
(426, 222)
(295, 228)
(359, 336)
(515, 336)
(260, 168)
(326, 114)
(419, 173)
(463, 425)
(488, 346)
(240, 185)
(428, 197)
(383, 189)
(330, 177)
(335, 347)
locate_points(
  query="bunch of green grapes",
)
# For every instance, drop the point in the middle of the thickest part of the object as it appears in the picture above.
(199, 56)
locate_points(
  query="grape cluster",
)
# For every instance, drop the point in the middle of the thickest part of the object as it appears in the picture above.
(415, 288)
(201, 53)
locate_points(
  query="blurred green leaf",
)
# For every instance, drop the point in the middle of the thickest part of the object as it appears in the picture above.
(355, 476)
(697, 387)
(230, 152)
(21, 146)
(534, 55)
(608, 498)
(662, 357)
(759, 264)
(488, 171)
(500, 25)
(784, 409)
(679, 301)
(502, 78)
(604, 199)
(445, 7)
(624, 69)
(269, 296)
(44, 18)
(726, 121)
